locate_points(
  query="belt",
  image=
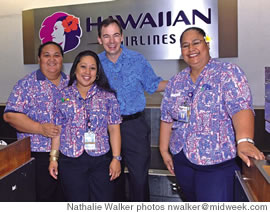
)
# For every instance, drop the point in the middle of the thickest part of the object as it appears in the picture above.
(132, 116)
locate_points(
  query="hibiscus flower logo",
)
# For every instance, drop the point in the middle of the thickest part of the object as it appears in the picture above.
(62, 28)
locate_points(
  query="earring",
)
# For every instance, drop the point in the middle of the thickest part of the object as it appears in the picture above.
(97, 77)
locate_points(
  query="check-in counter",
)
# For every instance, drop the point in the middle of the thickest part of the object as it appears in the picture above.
(17, 172)
(255, 181)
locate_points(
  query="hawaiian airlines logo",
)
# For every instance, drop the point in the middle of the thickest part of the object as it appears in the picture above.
(63, 29)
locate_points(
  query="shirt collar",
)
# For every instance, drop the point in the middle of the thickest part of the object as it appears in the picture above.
(90, 93)
(42, 77)
(123, 54)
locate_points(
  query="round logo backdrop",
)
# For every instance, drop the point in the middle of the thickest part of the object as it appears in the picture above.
(62, 28)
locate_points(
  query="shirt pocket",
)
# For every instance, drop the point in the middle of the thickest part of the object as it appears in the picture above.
(66, 111)
(208, 101)
(98, 118)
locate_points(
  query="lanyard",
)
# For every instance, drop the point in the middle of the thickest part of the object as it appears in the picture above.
(191, 94)
(88, 125)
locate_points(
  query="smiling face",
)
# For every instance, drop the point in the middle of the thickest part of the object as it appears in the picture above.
(51, 61)
(195, 50)
(111, 39)
(86, 73)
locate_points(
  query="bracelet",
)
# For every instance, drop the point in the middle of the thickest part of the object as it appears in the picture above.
(54, 153)
(53, 158)
(245, 139)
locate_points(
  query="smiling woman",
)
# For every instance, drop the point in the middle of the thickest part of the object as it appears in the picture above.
(201, 129)
(89, 115)
(29, 109)
(195, 50)
(51, 60)
(86, 74)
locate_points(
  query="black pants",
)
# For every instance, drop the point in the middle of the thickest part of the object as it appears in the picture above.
(136, 153)
(47, 188)
(86, 178)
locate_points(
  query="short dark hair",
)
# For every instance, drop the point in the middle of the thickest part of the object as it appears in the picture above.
(106, 22)
(48, 43)
(101, 80)
(199, 30)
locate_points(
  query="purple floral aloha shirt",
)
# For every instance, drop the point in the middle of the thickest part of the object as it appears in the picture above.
(220, 91)
(76, 115)
(35, 96)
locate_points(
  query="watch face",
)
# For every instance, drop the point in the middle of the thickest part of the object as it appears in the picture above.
(118, 157)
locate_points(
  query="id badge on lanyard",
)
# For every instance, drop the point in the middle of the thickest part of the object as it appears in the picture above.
(89, 139)
(184, 113)
(184, 110)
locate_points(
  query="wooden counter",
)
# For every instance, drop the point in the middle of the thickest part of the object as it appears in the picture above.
(256, 178)
(17, 172)
(14, 155)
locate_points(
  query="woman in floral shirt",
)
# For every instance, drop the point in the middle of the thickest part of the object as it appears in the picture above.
(87, 111)
(207, 118)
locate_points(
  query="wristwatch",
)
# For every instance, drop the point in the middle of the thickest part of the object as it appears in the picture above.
(118, 157)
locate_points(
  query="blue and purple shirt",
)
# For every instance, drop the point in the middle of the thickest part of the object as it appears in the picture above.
(77, 115)
(220, 91)
(35, 96)
(130, 76)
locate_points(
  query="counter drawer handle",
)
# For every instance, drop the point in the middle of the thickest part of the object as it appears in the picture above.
(246, 178)
(175, 187)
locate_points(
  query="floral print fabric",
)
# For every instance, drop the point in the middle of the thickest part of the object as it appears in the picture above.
(220, 91)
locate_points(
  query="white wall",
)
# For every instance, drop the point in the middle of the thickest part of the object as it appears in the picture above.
(253, 44)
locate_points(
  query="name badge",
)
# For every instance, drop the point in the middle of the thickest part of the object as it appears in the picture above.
(89, 140)
(184, 113)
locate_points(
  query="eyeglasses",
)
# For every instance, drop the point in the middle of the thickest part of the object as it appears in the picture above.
(194, 43)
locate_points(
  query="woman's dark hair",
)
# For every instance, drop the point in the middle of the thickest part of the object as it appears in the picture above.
(106, 22)
(101, 79)
(199, 30)
(48, 43)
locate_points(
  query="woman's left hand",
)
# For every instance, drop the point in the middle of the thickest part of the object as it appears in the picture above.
(246, 150)
(115, 169)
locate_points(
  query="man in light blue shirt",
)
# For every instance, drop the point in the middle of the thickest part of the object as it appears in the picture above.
(130, 75)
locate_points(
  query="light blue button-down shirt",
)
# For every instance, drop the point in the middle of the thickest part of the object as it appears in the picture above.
(130, 76)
